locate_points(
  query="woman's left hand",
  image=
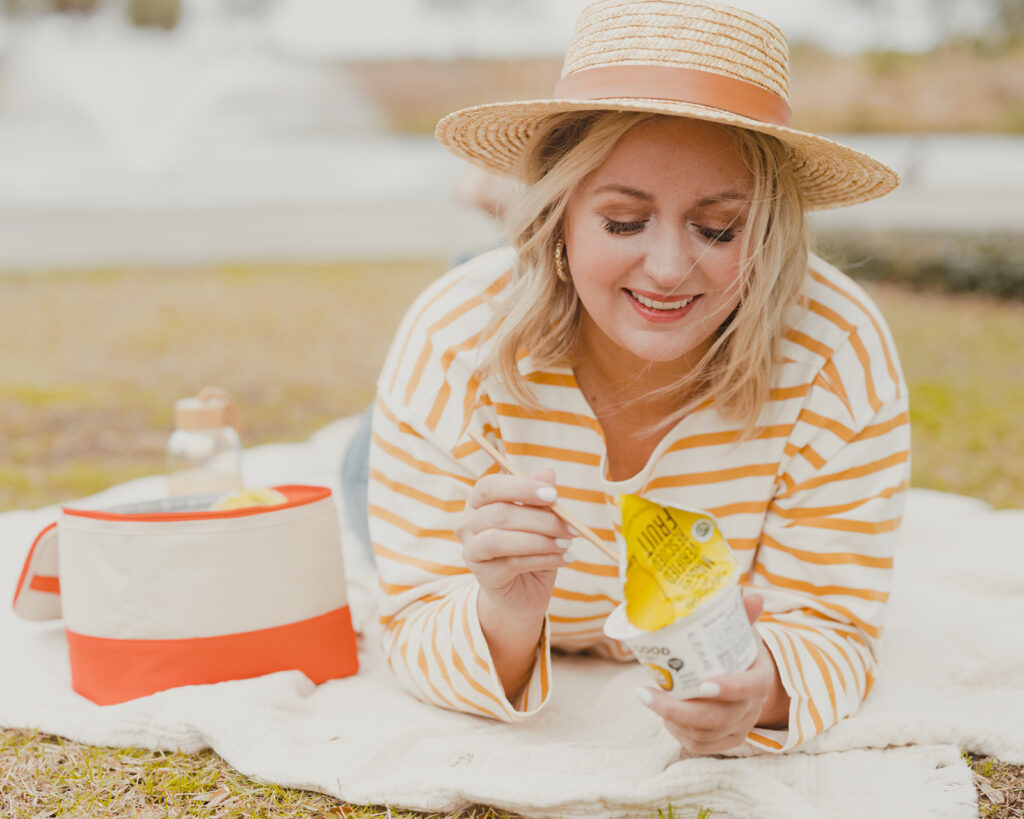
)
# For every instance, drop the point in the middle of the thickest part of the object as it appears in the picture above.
(722, 720)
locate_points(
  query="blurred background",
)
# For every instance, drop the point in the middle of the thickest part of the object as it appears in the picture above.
(194, 131)
(247, 193)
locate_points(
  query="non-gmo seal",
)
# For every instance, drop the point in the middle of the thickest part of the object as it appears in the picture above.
(702, 530)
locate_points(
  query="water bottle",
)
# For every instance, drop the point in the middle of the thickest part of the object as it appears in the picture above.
(204, 453)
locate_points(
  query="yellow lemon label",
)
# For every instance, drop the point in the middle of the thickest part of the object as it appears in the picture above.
(249, 497)
(663, 677)
(675, 559)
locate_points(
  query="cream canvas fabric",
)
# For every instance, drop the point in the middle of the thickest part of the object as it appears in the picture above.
(952, 675)
(207, 578)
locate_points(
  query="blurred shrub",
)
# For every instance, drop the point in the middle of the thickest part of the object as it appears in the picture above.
(155, 13)
(1010, 15)
(77, 6)
(992, 264)
(13, 8)
(887, 62)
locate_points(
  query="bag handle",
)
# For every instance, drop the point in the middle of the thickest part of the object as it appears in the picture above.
(37, 596)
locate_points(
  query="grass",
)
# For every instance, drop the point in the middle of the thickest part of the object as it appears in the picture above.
(961, 357)
(48, 776)
(88, 399)
(101, 357)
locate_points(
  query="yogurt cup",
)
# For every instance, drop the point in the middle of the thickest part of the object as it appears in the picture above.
(716, 638)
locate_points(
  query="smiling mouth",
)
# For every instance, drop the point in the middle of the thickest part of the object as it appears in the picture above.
(655, 304)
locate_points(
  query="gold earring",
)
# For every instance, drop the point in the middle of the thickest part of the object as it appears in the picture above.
(560, 270)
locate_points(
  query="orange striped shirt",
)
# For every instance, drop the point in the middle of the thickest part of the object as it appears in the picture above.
(810, 505)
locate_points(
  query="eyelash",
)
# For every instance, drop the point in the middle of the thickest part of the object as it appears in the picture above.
(623, 228)
(723, 236)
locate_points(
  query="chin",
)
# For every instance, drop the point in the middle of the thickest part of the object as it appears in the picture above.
(663, 348)
(661, 355)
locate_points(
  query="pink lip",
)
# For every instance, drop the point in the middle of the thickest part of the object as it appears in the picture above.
(660, 316)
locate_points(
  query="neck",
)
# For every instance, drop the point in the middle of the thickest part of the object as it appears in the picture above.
(618, 383)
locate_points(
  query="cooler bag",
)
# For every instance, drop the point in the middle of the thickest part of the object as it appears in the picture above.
(166, 593)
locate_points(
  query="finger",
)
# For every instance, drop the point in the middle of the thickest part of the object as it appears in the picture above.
(704, 747)
(501, 488)
(496, 574)
(702, 727)
(499, 544)
(702, 718)
(540, 521)
(753, 684)
(545, 474)
(736, 726)
(754, 604)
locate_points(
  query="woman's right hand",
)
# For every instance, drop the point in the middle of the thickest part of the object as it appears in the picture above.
(514, 544)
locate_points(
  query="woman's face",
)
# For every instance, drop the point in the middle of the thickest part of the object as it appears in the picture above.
(653, 243)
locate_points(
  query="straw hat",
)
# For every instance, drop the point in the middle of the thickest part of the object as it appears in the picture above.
(686, 58)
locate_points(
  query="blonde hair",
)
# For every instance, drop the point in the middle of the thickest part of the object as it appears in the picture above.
(540, 314)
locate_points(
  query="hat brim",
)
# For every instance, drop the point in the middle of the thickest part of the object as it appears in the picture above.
(830, 174)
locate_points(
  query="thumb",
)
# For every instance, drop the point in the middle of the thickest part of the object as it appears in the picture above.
(754, 604)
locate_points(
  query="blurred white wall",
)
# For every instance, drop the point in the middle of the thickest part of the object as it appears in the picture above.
(499, 28)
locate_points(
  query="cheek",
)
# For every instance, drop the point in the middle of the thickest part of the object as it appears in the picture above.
(594, 259)
(723, 270)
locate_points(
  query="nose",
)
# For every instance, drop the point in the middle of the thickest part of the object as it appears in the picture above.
(669, 259)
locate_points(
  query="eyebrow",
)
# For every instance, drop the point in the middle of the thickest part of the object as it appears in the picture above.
(628, 191)
(726, 196)
(636, 193)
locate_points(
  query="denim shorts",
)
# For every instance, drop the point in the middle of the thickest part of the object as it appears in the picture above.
(355, 478)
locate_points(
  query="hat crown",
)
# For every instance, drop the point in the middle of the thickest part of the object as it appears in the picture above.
(680, 34)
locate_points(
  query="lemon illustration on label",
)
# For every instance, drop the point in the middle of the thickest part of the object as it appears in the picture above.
(675, 559)
(662, 677)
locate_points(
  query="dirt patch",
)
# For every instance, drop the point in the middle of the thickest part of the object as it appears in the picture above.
(414, 94)
(959, 87)
(965, 87)
(1000, 788)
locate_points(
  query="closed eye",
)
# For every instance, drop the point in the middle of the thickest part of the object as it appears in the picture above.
(623, 228)
(722, 235)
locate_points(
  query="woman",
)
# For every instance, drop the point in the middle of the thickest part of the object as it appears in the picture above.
(657, 328)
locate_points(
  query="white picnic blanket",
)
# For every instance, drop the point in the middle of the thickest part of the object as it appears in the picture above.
(952, 676)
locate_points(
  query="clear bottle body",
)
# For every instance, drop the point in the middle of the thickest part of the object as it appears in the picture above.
(204, 461)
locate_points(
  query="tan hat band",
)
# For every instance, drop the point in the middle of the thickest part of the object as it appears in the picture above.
(657, 82)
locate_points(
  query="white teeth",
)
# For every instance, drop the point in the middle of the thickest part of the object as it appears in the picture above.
(661, 305)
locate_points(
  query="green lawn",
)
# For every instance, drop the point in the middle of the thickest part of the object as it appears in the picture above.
(962, 359)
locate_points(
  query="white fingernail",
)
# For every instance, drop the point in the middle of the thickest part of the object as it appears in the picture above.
(568, 556)
(645, 696)
(709, 689)
(562, 543)
(547, 494)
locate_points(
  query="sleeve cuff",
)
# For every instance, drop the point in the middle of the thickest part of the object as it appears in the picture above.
(537, 690)
(781, 740)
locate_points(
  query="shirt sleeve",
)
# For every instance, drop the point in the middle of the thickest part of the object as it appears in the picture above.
(824, 563)
(428, 604)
